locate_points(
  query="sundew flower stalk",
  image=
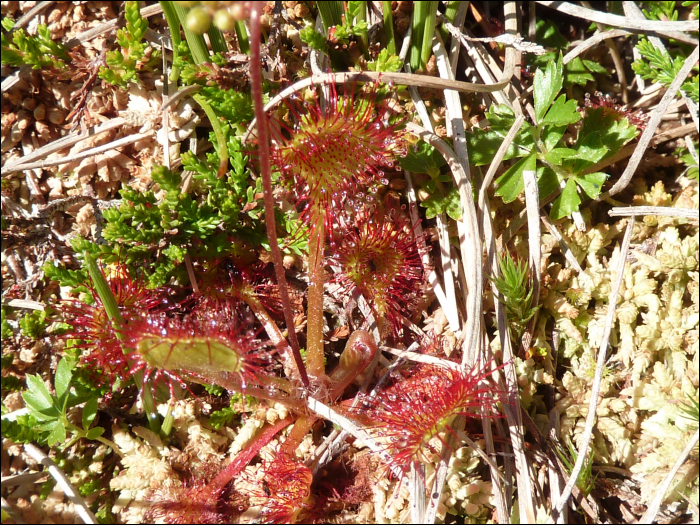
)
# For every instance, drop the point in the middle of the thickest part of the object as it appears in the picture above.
(333, 152)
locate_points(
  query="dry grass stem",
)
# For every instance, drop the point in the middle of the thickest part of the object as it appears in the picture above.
(653, 509)
(610, 19)
(568, 254)
(421, 358)
(534, 235)
(62, 143)
(130, 139)
(498, 158)
(638, 211)
(62, 481)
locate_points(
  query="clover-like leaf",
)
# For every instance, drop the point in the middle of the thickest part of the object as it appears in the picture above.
(547, 84)
(37, 396)
(592, 183)
(423, 159)
(57, 434)
(562, 113)
(567, 202)
(589, 151)
(94, 433)
(89, 413)
(511, 183)
(62, 380)
(453, 206)
(557, 155)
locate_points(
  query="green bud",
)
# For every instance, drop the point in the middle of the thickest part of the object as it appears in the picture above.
(198, 20)
(224, 20)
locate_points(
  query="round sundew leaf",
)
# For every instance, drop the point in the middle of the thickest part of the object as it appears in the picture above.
(197, 355)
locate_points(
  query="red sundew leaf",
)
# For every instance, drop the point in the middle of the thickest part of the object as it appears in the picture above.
(335, 150)
(202, 344)
(284, 490)
(417, 409)
(102, 349)
(379, 257)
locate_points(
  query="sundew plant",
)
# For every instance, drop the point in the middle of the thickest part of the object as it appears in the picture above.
(299, 305)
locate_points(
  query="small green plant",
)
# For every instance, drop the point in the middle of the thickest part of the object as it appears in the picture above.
(33, 324)
(9, 382)
(660, 67)
(543, 147)
(6, 329)
(691, 165)
(353, 26)
(578, 71)
(586, 480)
(444, 195)
(514, 294)
(691, 410)
(223, 417)
(39, 51)
(124, 64)
(51, 411)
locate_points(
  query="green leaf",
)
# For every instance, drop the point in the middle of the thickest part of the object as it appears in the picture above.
(511, 183)
(62, 379)
(546, 86)
(483, 145)
(592, 183)
(547, 34)
(423, 159)
(89, 413)
(37, 396)
(313, 39)
(552, 135)
(595, 67)
(94, 433)
(434, 206)
(557, 155)
(614, 132)
(547, 181)
(57, 434)
(576, 73)
(453, 205)
(385, 62)
(567, 202)
(562, 113)
(589, 151)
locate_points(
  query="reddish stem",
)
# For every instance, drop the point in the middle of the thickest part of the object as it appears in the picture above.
(264, 150)
(246, 455)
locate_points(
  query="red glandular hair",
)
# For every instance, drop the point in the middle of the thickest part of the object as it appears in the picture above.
(283, 491)
(90, 324)
(420, 407)
(611, 107)
(379, 257)
(334, 150)
(160, 340)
